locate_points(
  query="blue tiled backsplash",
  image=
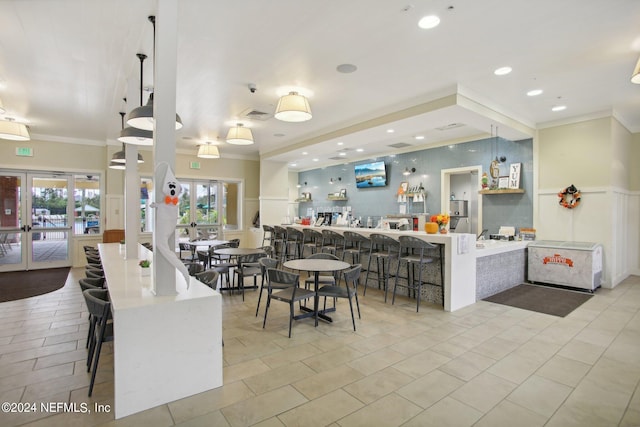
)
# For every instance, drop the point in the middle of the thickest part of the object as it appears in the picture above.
(508, 209)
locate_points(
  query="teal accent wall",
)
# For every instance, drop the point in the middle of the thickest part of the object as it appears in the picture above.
(512, 209)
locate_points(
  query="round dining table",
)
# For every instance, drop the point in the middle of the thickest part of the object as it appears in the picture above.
(235, 253)
(316, 266)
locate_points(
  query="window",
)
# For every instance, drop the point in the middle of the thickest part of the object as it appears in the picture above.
(87, 211)
(204, 208)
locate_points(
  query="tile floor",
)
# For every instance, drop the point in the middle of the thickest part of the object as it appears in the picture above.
(485, 365)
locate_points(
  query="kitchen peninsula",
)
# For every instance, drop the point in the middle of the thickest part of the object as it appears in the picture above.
(459, 261)
(156, 343)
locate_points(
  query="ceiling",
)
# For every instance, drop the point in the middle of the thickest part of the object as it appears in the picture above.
(66, 65)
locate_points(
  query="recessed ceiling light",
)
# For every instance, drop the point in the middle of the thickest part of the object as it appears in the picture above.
(390, 131)
(419, 137)
(359, 150)
(558, 108)
(293, 165)
(343, 154)
(502, 71)
(315, 160)
(428, 22)
(340, 143)
(304, 153)
(534, 92)
(346, 68)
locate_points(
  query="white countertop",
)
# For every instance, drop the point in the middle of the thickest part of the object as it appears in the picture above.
(494, 247)
(127, 289)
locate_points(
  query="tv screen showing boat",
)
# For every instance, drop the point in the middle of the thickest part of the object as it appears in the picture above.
(371, 175)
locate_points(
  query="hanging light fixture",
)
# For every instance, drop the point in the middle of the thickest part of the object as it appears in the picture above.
(208, 151)
(293, 108)
(132, 135)
(142, 117)
(119, 158)
(635, 77)
(240, 135)
(13, 131)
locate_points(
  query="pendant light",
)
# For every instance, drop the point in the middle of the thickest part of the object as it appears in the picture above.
(293, 108)
(119, 158)
(240, 135)
(142, 117)
(208, 151)
(13, 131)
(132, 135)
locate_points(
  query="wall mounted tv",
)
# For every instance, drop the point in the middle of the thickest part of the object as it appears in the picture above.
(371, 175)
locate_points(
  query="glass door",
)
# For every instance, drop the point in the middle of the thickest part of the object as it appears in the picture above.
(50, 216)
(199, 210)
(36, 220)
(13, 229)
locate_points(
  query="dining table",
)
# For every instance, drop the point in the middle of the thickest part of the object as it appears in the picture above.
(316, 266)
(195, 244)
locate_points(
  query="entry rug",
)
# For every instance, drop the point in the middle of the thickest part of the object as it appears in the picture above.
(24, 284)
(543, 299)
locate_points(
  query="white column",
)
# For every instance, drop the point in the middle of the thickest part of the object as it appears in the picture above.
(131, 201)
(164, 111)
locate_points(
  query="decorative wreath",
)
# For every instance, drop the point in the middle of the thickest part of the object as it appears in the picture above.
(574, 201)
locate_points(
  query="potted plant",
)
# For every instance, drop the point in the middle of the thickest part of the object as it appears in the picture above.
(144, 267)
(122, 246)
(442, 220)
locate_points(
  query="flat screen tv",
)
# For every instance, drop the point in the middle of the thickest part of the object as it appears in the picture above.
(371, 175)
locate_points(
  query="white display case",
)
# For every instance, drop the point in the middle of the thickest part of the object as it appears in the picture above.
(573, 264)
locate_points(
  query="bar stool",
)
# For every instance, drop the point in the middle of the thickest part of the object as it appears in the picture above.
(279, 237)
(293, 244)
(417, 253)
(385, 249)
(267, 235)
(99, 308)
(353, 245)
(332, 242)
(312, 240)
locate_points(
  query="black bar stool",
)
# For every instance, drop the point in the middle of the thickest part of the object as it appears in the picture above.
(293, 244)
(332, 242)
(354, 245)
(267, 235)
(279, 238)
(417, 253)
(383, 249)
(312, 240)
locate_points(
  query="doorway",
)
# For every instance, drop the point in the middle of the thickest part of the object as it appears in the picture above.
(36, 218)
(463, 184)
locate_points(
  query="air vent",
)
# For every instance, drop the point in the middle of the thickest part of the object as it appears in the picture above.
(400, 145)
(450, 126)
(336, 158)
(256, 114)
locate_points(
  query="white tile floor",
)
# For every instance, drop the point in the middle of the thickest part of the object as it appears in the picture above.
(485, 365)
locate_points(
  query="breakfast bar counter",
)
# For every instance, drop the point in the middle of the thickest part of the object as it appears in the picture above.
(165, 347)
(459, 260)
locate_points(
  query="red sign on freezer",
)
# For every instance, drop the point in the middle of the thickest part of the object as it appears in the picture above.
(557, 259)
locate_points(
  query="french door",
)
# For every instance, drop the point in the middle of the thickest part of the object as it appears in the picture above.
(36, 218)
(201, 207)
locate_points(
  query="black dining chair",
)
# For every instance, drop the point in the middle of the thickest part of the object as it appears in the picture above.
(349, 291)
(288, 290)
(265, 264)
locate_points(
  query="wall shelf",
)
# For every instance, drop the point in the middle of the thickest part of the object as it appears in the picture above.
(337, 199)
(503, 191)
(303, 200)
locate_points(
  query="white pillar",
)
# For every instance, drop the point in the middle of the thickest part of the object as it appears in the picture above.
(164, 112)
(131, 201)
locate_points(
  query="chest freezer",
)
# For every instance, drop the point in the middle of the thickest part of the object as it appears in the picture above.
(573, 264)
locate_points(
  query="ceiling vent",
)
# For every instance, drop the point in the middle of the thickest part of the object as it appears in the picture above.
(336, 158)
(256, 114)
(399, 145)
(450, 126)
